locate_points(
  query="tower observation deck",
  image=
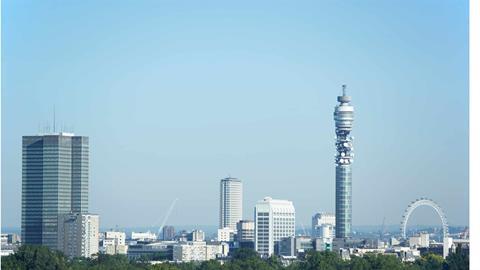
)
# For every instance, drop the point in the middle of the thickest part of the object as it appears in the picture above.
(343, 117)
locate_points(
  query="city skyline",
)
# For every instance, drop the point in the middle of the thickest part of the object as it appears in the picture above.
(151, 130)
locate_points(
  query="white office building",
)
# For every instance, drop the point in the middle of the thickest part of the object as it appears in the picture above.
(324, 231)
(143, 236)
(118, 237)
(421, 240)
(78, 234)
(322, 218)
(323, 225)
(199, 251)
(274, 220)
(114, 243)
(225, 235)
(197, 236)
(323, 228)
(231, 202)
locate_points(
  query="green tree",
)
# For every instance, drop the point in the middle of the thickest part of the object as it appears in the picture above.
(359, 263)
(457, 261)
(244, 254)
(411, 266)
(81, 263)
(39, 258)
(34, 257)
(163, 266)
(325, 260)
(246, 259)
(188, 266)
(430, 261)
(274, 263)
(383, 262)
(294, 266)
(210, 265)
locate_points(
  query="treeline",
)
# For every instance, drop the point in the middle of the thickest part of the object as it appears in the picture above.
(42, 258)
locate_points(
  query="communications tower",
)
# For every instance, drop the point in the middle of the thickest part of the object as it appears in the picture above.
(343, 117)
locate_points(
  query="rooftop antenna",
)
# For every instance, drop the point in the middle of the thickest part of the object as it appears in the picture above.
(53, 118)
(344, 89)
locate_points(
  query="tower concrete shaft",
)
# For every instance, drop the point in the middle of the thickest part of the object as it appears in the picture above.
(343, 117)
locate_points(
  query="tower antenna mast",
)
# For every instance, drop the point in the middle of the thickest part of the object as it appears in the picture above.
(53, 118)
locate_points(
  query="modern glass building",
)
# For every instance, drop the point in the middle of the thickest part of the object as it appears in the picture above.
(54, 182)
(80, 166)
(343, 117)
(231, 202)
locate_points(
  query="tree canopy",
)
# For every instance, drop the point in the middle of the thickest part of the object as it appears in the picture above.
(40, 258)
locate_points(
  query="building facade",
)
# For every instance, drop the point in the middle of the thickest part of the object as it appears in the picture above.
(231, 202)
(274, 220)
(54, 182)
(323, 226)
(113, 242)
(225, 235)
(196, 236)
(343, 117)
(246, 231)
(421, 240)
(168, 233)
(293, 245)
(199, 251)
(323, 244)
(163, 248)
(117, 237)
(143, 236)
(78, 234)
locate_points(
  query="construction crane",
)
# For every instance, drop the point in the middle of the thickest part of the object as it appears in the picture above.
(304, 231)
(165, 218)
(382, 232)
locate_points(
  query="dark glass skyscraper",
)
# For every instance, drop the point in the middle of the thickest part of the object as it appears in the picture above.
(343, 117)
(54, 181)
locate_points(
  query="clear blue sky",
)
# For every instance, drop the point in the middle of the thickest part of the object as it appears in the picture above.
(176, 95)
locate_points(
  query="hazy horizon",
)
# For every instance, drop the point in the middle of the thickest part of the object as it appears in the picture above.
(176, 96)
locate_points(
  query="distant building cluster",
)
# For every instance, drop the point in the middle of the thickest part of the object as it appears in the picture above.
(9, 243)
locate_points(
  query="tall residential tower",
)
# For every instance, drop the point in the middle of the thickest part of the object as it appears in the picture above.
(54, 182)
(78, 234)
(231, 202)
(343, 116)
